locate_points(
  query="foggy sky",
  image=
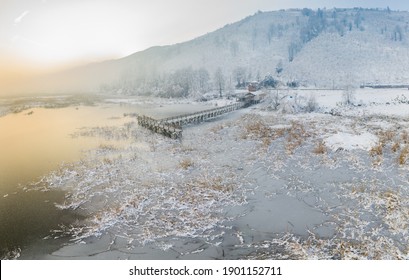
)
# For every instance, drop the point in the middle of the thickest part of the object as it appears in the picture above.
(43, 33)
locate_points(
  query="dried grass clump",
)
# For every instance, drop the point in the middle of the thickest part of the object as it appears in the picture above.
(215, 184)
(392, 202)
(280, 132)
(377, 150)
(405, 137)
(217, 128)
(403, 156)
(386, 136)
(395, 147)
(297, 134)
(320, 148)
(256, 128)
(186, 163)
(397, 142)
(220, 128)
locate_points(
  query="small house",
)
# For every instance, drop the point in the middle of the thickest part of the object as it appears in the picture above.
(253, 86)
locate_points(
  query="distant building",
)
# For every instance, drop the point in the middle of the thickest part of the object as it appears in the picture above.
(253, 86)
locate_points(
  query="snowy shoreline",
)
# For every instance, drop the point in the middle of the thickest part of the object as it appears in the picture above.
(250, 184)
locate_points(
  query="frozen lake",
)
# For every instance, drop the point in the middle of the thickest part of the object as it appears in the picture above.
(254, 184)
(38, 139)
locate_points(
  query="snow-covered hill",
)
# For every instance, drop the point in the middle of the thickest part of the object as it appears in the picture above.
(324, 48)
(369, 54)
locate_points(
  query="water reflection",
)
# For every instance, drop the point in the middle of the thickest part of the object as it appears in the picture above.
(33, 143)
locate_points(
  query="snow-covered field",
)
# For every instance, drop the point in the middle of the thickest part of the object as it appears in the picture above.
(254, 184)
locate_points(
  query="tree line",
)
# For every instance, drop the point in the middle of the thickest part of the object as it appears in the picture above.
(189, 82)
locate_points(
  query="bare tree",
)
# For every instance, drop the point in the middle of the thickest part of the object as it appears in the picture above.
(397, 33)
(203, 80)
(348, 95)
(312, 104)
(239, 74)
(219, 80)
(293, 49)
(273, 99)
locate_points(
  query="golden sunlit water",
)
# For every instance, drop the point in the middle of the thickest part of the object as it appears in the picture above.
(33, 143)
(38, 135)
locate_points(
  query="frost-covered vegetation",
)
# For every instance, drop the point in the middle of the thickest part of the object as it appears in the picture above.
(19, 104)
(362, 193)
(318, 170)
(258, 183)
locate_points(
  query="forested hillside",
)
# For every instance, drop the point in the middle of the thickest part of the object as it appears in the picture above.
(317, 48)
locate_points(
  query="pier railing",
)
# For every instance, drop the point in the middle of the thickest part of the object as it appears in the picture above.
(172, 126)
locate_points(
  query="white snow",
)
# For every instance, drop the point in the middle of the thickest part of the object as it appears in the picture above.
(347, 141)
(245, 168)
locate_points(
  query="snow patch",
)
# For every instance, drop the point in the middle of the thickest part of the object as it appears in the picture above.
(347, 141)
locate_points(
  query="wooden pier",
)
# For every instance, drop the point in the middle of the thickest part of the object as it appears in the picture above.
(172, 126)
(168, 130)
(201, 116)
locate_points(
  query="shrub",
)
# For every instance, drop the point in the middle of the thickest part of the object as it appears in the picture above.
(405, 137)
(403, 156)
(296, 136)
(256, 128)
(320, 148)
(312, 104)
(377, 150)
(348, 95)
(386, 136)
(274, 100)
(395, 147)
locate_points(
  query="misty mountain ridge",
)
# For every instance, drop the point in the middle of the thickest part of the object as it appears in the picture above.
(316, 48)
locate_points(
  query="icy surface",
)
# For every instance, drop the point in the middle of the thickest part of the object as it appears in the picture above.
(346, 141)
(255, 183)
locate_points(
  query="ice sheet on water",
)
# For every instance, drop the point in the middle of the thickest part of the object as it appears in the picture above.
(144, 195)
(125, 194)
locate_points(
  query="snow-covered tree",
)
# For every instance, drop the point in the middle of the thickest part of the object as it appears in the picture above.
(312, 104)
(269, 82)
(234, 48)
(358, 20)
(348, 94)
(271, 32)
(279, 67)
(397, 33)
(293, 49)
(239, 74)
(254, 37)
(202, 77)
(219, 80)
